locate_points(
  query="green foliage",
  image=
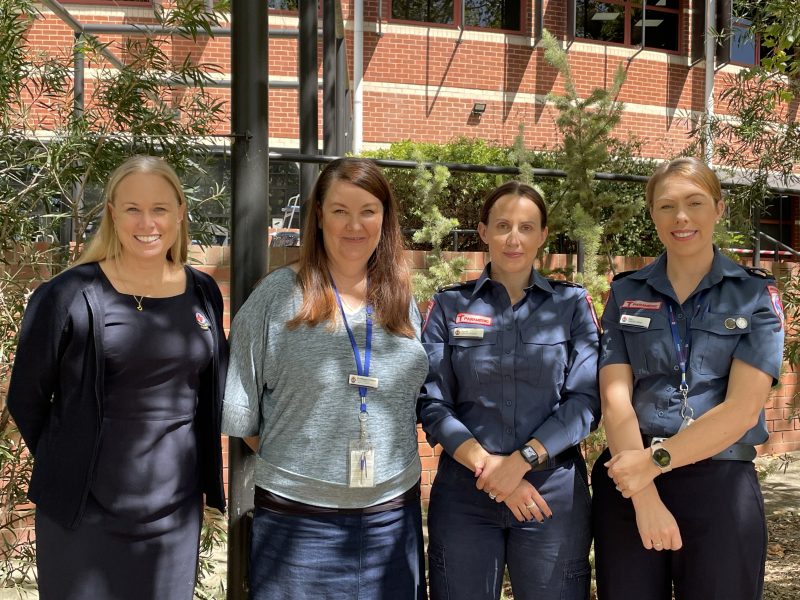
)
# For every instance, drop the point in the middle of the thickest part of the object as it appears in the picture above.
(583, 209)
(50, 185)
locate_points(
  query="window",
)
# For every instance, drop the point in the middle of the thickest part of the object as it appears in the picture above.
(656, 24)
(486, 14)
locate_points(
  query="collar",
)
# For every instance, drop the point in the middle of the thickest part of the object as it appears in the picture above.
(655, 274)
(534, 281)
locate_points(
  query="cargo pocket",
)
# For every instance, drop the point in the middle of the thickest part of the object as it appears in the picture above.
(576, 579)
(475, 358)
(649, 348)
(714, 340)
(545, 353)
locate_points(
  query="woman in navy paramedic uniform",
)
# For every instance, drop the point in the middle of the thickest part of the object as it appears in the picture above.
(511, 391)
(691, 346)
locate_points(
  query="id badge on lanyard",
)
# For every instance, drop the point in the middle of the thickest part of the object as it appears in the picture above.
(361, 453)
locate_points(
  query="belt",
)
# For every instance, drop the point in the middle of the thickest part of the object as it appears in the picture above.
(568, 455)
(745, 452)
(275, 503)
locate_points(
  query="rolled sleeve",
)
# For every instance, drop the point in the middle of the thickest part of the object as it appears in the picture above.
(762, 348)
(579, 408)
(437, 397)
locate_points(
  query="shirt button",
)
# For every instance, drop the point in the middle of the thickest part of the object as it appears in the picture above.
(508, 429)
(675, 368)
(680, 315)
(508, 402)
(508, 351)
(661, 413)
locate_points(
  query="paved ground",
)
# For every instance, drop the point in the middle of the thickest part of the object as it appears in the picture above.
(781, 488)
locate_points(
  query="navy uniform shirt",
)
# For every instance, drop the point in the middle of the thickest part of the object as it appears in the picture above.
(733, 313)
(504, 374)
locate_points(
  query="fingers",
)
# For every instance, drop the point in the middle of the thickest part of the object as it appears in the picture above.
(663, 540)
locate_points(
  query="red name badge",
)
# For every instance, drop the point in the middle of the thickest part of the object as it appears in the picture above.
(641, 304)
(473, 319)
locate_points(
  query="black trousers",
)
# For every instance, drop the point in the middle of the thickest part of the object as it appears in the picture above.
(720, 513)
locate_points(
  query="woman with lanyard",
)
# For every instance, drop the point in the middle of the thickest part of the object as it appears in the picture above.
(325, 368)
(511, 391)
(691, 345)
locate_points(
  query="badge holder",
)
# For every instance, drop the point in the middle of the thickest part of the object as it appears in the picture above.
(687, 412)
(362, 458)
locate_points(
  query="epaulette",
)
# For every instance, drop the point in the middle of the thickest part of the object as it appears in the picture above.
(622, 274)
(759, 272)
(564, 282)
(457, 285)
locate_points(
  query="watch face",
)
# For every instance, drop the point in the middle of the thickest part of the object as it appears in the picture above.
(530, 455)
(661, 457)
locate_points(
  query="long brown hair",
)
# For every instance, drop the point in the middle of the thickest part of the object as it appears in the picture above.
(389, 279)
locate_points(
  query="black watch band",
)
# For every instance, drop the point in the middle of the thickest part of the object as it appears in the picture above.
(530, 455)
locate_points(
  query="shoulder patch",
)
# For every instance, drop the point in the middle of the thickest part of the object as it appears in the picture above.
(759, 272)
(457, 286)
(622, 274)
(564, 282)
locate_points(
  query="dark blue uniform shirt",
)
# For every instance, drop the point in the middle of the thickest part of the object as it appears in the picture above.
(733, 313)
(504, 374)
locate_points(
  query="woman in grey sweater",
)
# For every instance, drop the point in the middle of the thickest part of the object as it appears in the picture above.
(325, 369)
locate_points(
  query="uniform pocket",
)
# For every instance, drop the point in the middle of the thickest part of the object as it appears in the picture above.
(437, 571)
(545, 349)
(714, 340)
(475, 359)
(649, 347)
(575, 579)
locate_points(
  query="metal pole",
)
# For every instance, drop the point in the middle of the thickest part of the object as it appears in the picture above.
(249, 212)
(341, 98)
(757, 236)
(67, 230)
(358, 76)
(711, 40)
(329, 73)
(307, 97)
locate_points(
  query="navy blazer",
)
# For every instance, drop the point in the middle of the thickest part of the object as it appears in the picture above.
(56, 391)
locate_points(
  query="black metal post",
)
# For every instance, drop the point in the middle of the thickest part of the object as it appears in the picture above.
(757, 237)
(67, 225)
(307, 97)
(342, 106)
(329, 73)
(581, 255)
(249, 213)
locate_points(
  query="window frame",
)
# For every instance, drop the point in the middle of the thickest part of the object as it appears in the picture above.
(572, 12)
(458, 20)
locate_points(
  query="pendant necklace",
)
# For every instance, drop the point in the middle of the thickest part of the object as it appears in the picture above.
(139, 300)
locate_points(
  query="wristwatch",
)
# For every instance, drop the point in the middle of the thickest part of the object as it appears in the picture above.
(661, 458)
(530, 455)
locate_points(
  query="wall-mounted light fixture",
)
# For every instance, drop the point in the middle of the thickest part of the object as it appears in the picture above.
(479, 108)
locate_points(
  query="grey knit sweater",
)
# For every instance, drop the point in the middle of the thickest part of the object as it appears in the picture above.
(290, 388)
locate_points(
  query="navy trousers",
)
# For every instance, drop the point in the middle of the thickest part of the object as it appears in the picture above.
(472, 538)
(720, 513)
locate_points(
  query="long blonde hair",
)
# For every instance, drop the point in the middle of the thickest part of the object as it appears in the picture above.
(105, 244)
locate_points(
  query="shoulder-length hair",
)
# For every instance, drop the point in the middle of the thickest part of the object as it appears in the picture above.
(389, 291)
(513, 188)
(105, 244)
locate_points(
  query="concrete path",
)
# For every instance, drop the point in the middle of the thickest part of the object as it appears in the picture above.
(781, 488)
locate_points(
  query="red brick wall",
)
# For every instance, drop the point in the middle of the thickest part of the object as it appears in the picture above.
(421, 85)
(785, 431)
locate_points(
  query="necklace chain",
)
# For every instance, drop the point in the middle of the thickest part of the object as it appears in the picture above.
(139, 300)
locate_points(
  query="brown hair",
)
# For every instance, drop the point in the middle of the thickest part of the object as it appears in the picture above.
(389, 279)
(105, 244)
(514, 188)
(690, 168)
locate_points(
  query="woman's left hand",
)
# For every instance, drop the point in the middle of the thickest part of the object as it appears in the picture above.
(631, 471)
(501, 475)
(527, 503)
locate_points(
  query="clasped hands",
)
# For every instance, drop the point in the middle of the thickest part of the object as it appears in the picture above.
(502, 478)
(632, 471)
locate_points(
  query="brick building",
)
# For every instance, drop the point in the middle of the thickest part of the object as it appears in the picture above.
(440, 69)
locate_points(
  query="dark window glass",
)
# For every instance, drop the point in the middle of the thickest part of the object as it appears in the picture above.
(284, 182)
(600, 21)
(663, 3)
(493, 14)
(660, 29)
(429, 11)
(283, 4)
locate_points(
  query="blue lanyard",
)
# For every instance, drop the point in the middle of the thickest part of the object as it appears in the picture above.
(362, 372)
(683, 347)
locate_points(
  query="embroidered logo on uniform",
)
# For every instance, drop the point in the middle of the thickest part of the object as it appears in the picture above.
(428, 310)
(641, 304)
(777, 306)
(201, 320)
(473, 319)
